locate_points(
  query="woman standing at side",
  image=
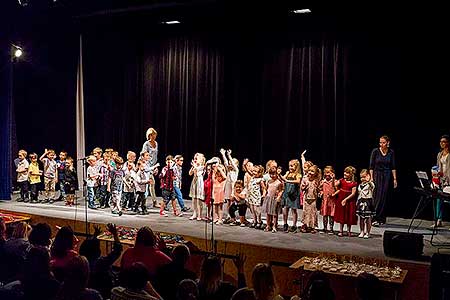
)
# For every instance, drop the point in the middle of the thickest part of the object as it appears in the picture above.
(383, 172)
(443, 162)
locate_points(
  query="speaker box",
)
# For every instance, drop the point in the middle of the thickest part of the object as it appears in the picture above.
(403, 244)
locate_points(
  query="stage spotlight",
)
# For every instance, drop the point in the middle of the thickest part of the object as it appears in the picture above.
(301, 11)
(171, 22)
(23, 2)
(18, 53)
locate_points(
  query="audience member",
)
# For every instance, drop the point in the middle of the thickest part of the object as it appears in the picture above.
(210, 284)
(368, 287)
(244, 294)
(135, 285)
(3, 271)
(170, 275)
(317, 288)
(145, 251)
(15, 250)
(36, 281)
(187, 290)
(62, 251)
(74, 286)
(264, 283)
(102, 277)
(40, 236)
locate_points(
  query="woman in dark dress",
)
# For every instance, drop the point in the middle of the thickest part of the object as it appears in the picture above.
(383, 172)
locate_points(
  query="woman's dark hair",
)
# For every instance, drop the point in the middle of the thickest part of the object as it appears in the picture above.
(145, 237)
(36, 265)
(40, 235)
(90, 248)
(318, 287)
(368, 287)
(137, 276)
(210, 274)
(181, 254)
(244, 294)
(76, 277)
(63, 242)
(385, 137)
(263, 282)
(446, 136)
(187, 290)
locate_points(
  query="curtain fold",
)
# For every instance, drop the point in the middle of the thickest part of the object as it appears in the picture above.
(80, 132)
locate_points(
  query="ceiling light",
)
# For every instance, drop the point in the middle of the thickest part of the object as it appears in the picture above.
(301, 11)
(171, 22)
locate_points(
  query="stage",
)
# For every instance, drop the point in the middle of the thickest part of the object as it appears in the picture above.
(259, 246)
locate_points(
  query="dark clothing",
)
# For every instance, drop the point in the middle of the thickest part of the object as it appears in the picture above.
(382, 166)
(24, 189)
(15, 250)
(36, 289)
(241, 208)
(70, 181)
(102, 277)
(169, 276)
(61, 166)
(167, 179)
(34, 191)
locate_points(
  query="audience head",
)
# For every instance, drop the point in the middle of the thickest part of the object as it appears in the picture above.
(181, 254)
(145, 237)
(64, 241)
(263, 282)
(90, 248)
(187, 290)
(210, 274)
(21, 230)
(318, 287)
(368, 287)
(136, 277)
(2, 229)
(40, 235)
(36, 265)
(76, 275)
(244, 294)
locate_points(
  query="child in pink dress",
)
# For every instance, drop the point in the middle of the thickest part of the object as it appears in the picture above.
(219, 180)
(328, 192)
(272, 200)
(345, 211)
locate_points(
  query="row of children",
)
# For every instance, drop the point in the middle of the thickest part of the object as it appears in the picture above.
(60, 171)
(266, 190)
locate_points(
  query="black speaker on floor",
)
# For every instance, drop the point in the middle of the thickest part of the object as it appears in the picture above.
(403, 244)
(440, 277)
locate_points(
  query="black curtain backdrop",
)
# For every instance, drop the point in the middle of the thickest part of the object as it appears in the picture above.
(266, 93)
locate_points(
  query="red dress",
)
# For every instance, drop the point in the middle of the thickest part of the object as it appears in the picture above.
(345, 214)
(208, 188)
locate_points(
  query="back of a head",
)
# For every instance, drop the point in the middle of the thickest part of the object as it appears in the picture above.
(187, 290)
(137, 276)
(76, 274)
(40, 235)
(318, 287)
(37, 264)
(210, 275)
(63, 242)
(368, 287)
(20, 230)
(145, 237)
(2, 229)
(263, 281)
(244, 294)
(181, 254)
(90, 248)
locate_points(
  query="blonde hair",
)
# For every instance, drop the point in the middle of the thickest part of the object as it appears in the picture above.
(328, 169)
(21, 230)
(259, 171)
(268, 163)
(202, 157)
(149, 132)
(23, 152)
(297, 167)
(50, 151)
(91, 158)
(317, 171)
(97, 150)
(351, 170)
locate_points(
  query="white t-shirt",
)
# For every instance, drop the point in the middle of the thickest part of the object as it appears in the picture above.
(23, 176)
(92, 173)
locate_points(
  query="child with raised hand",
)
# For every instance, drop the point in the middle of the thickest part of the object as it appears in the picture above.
(327, 191)
(50, 175)
(345, 211)
(34, 175)
(306, 164)
(22, 175)
(232, 168)
(365, 208)
(197, 192)
(310, 188)
(290, 200)
(272, 200)
(70, 181)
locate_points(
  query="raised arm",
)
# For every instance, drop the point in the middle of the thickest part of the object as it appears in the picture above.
(43, 155)
(231, 161)
(225, 160)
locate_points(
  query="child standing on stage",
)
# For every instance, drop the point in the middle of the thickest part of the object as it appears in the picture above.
(327, 191)
(103, 168)
(22, 175)
(34, 177)
(115, 186)
(91, 181)
(197, 192)
(255, 192)
(178, 168)
(218, 192)
(232, 166)
(272, 201)
(131, 158)
(290, 200)
(70, 181)
(128, 186)
(50, 175)
(61, 165)
(306, 164)
(345, 211)
(167, 176)
(238, 203)
(310, 188)
(365, 208)
(141, 182)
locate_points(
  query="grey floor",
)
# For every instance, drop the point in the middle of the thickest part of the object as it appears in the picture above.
(319, 242)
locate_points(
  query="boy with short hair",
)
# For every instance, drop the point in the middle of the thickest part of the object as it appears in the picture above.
(128, 186)
(34, 176)
(50, 175)
(22, 176)
(131, 158)
(167, 176)
(115, 186)
(102, 190)
(91, 181)
(178, 169)
(61, 165)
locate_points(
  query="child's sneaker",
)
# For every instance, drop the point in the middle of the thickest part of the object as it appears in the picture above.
(366, 236)
(361, 235)
(274, 229)
(163, 214)
(285, 228)
(242, 225)
(293, 229)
